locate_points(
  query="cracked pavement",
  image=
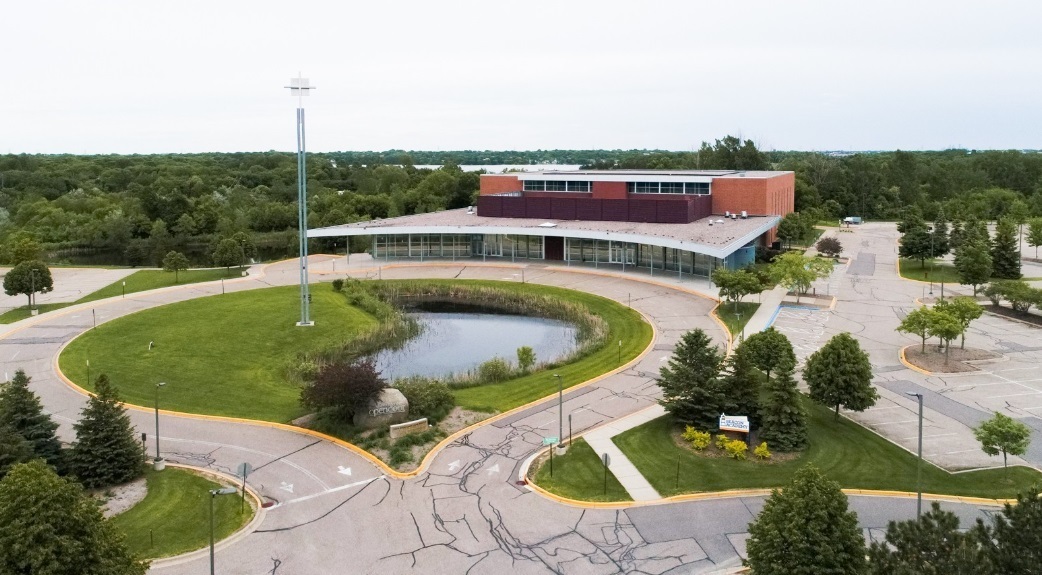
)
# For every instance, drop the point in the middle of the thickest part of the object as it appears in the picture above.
(336, 512)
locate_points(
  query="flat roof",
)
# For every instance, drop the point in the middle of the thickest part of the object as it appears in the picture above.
(719, 239)
(642, 175)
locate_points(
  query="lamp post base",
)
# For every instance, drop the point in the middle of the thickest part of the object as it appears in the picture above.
(561, 449)
(159, 464)
(305, 324)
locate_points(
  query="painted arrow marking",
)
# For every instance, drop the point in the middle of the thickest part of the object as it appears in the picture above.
(493, 469)
(343, 470)
(454, 465)
(287, 487)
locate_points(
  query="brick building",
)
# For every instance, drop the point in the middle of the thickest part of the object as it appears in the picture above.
(687, 221)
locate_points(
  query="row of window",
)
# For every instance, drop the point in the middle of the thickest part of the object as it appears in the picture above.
(556, 186)
(698, 188)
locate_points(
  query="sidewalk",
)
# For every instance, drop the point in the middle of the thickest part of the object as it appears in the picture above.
(627, 474)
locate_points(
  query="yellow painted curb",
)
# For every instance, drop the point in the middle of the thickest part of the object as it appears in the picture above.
(727, 330)
(901, 355)
(387, 470)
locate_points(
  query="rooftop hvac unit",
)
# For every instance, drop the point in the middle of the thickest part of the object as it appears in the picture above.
(710, 222)
(744, 215)
(727, 214)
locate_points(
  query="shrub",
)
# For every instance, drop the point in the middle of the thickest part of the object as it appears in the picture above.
(736, 449)
(829, 246)
(525, 358)
(338, 285)
(722, 440)
(761, 451)
(430, 399)
(343, 386)
(494, 370)
(698, 439)
(400, 455)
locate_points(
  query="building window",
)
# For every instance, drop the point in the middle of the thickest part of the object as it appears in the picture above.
(578, 186)
(699, 188)
(534, 185)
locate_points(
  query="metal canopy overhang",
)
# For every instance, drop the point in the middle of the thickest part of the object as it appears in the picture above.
(716, 252)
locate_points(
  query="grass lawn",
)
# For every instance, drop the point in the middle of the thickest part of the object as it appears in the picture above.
(579, 474)
(218, 355)
(842, 450)
(625, 325)
(142, 280)
(174, 517)
(226, 354)
(726, 312)
(934, 270)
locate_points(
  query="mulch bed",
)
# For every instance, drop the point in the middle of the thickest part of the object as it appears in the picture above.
(1013, 314)
(934, 360)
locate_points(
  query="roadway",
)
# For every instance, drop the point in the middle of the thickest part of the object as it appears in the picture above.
(336, 512)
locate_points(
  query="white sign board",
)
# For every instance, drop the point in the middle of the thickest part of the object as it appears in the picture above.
(734, 423)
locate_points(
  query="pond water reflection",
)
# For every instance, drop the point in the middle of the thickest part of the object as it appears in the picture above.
(459, 342)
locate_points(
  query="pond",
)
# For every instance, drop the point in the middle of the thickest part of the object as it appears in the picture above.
(455, 342)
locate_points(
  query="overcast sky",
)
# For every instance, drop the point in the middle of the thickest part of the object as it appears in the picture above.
(198, 76)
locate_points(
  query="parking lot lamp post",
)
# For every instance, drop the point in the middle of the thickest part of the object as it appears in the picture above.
(919, 467)
(158, 385)
(213, 495)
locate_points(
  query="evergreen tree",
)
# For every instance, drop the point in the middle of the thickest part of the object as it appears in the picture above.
(690, 382)
(14, 449)
(106, 450)
(1005, 253)
(976, 229)
(50, 527)
(741, 386)
(840, 374)
(955, 236)
(783, 421)
(931, 545)
(1014, 541)
(806, 529)
(21, 410)
(916, 245)
(973, 262)
(940, 237)
(769, 349)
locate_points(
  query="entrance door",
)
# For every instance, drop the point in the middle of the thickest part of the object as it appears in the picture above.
(621, 253)
(553, 248)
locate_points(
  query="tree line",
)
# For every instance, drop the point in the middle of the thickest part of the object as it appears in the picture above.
(139, 208)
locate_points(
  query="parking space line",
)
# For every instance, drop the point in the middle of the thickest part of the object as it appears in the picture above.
(1017, 394)
(894, 422)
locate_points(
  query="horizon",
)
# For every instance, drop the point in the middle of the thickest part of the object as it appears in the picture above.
(194, 77)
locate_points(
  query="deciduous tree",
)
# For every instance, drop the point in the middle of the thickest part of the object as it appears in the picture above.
(973, 262)
(1003, 434)
(27, 278)
(806, 529)
(963, 309)
(768, 350)
(227, 254)
(51, 527)
(796, 272)
(106, 451)
(735, 284)
(1035, 234)
(690, 381)
(829, 246)
(344, 386)
(840, 374)
(917, 322)
(175, 262)
(945, 327)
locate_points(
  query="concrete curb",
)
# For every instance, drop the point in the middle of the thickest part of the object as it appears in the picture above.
(249, 528)
(383, 467)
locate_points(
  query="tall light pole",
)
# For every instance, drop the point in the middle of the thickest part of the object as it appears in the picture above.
(32, 289)
(300, 87)
(213, 495)
(158, 385)
(560, 411)
(919, 467)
